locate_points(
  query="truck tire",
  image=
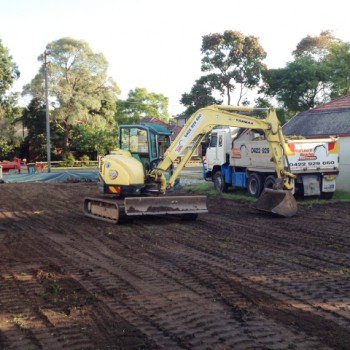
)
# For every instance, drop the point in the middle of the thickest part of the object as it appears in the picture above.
(270, 181)
(255, 184)
(219, 182)
(327, 195)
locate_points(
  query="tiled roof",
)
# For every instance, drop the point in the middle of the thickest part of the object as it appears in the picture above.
(154, 121)
(338, 103)
(332, 118)
(175, 129)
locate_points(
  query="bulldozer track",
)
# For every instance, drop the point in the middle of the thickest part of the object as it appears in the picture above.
(233, 279)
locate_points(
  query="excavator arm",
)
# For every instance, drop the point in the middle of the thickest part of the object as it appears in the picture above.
(204, 120)
(278, 201)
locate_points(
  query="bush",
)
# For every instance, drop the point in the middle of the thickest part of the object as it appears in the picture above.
(84, 159)
(68, 159)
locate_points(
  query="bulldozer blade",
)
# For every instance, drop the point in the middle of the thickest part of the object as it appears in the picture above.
(182, 205)
(279, 202)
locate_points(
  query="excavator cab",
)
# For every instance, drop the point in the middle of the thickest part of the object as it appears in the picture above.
(146, 142)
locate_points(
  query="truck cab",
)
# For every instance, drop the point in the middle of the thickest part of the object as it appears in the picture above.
(241, 158)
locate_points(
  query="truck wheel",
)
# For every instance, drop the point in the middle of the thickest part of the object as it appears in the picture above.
(270, 181)
(327, 195)
(219, 182)
(255, 184)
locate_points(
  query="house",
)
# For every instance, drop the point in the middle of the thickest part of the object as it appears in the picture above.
(174, 128)
(181, 120)
(330, 119)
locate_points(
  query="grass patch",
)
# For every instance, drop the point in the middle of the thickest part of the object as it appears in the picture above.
(209, 190)
(341, 196)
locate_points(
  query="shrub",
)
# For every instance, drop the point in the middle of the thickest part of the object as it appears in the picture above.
(68, 159)
(84, 159)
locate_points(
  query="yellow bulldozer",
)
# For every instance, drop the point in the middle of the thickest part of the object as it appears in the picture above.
(137, 176)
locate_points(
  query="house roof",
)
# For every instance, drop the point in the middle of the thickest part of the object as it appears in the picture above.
(173, 129)
(154, 121)
(332, 118)
(342, 102)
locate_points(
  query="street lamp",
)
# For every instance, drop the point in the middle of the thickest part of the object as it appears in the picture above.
(48, 141)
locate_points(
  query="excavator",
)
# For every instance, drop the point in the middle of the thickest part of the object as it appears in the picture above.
(141, 171)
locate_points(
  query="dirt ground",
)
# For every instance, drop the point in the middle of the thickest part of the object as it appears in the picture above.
(233, 279)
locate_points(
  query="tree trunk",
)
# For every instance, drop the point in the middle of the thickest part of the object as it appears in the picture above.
(66, 146)
(228, 96)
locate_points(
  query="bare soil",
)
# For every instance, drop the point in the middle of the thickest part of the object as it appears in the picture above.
(233, 279)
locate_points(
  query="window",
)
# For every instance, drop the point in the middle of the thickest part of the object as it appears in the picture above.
(213, 140)
(134, 140)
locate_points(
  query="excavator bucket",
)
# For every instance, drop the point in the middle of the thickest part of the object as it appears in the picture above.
(279, 202)
(181, 205)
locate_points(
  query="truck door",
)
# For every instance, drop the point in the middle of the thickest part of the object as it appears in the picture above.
(216, 151)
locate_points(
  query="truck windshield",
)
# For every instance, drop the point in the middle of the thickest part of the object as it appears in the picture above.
(134, 140)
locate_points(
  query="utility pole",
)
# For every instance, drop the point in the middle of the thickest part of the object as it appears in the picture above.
(48, 141)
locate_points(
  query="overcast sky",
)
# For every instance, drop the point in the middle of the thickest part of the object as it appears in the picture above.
(156, 44)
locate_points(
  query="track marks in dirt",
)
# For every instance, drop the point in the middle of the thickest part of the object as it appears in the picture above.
(232, 279)
(32, 317)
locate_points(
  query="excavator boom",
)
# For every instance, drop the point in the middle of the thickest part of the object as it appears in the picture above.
(279, 201)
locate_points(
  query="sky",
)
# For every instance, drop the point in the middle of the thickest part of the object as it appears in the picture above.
(155, 44)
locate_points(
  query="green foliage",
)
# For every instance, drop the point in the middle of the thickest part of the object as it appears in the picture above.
(6, 148)
(200, 96)
(8, 70)
(316, 47)
(38, 146)
(338, 65)
(141, 104)
(301, 85)
(8, 101)
(87, 140)
(68, 159)
(84, 159)
(79, 88)
(262, 102)
(233, 60)
(320, 72)
(34, 119)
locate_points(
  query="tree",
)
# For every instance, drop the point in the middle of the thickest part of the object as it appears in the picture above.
(338, 65)
(234, 61)
(8, 111)
(8, 70)
(301, 85)
(88, 141)
(141, 104)
(81, 92)
(34, 119)
(334, 56)
(319, 72)
(317, 47)
(200, 96)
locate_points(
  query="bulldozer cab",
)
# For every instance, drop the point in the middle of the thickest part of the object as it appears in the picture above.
(146, 142)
